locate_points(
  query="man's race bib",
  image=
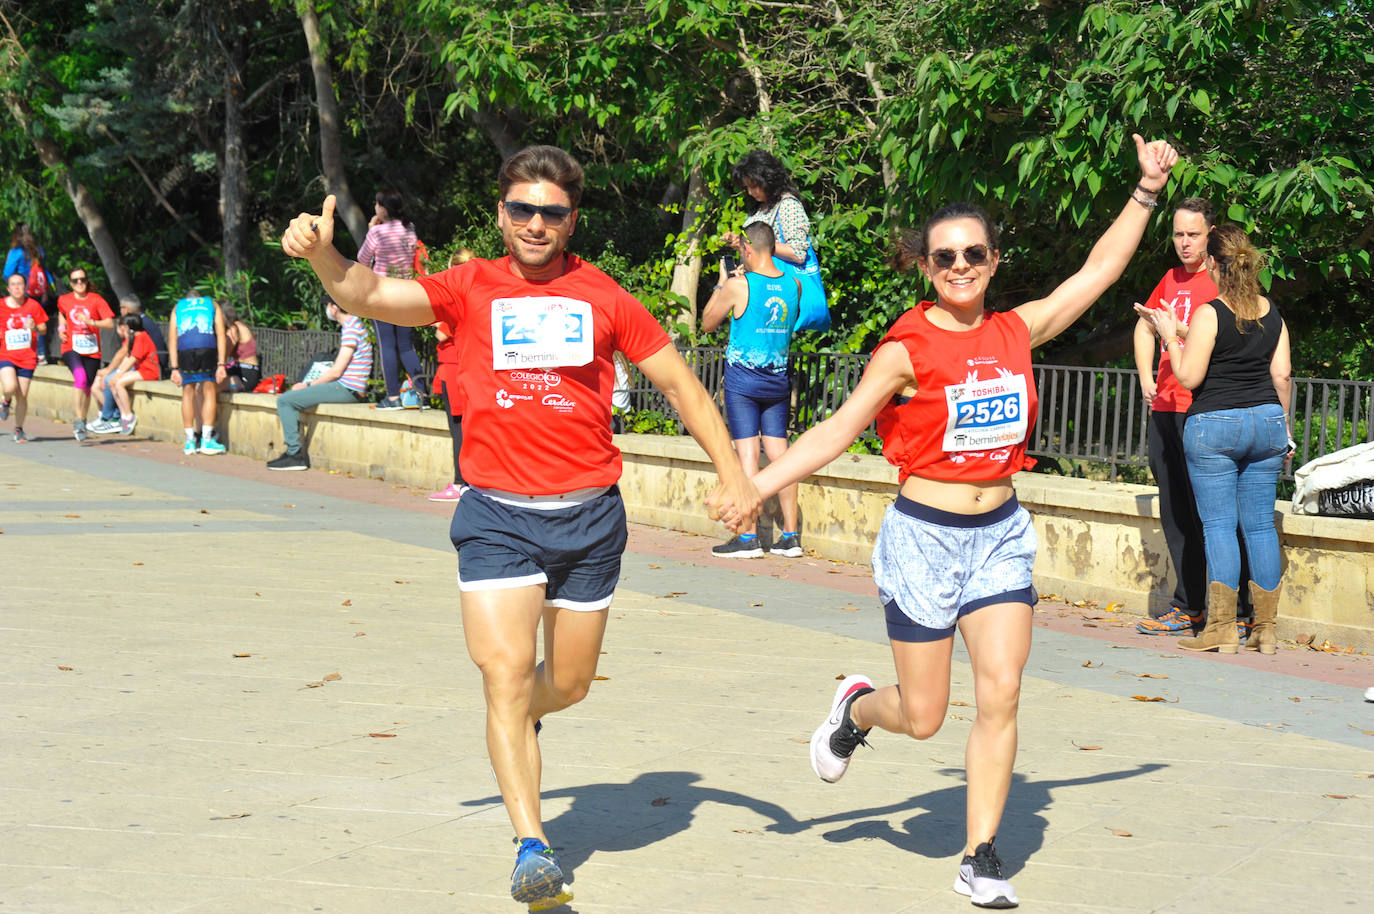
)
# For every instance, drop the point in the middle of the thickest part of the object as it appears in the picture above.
(18, 339)
(85, 343)
(986, 414)
(540, 331)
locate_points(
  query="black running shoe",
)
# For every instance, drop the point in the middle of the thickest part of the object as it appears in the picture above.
(835, 740)
(980, 878)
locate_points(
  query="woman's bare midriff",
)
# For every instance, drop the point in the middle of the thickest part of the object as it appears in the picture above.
(959, 497)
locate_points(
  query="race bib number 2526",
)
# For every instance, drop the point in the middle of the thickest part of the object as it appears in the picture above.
(986, 414)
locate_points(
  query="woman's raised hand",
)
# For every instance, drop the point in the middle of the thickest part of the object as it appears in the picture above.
(308, 233)
(1156, 158)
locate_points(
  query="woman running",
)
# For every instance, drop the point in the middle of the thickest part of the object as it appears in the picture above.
(24, 321)
(954, 396)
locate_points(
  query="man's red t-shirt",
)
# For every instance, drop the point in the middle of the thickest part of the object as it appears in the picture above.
(83, 336)
(1183, 292)
(536, 373)
(19, 342)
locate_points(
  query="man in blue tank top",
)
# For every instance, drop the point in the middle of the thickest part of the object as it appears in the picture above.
(196, 349)
(761, 303)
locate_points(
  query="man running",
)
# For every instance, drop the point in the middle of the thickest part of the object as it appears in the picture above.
(541, 530)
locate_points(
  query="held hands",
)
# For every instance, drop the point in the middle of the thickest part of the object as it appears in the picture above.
(308, 233)
(1156, 158)
(735, 504)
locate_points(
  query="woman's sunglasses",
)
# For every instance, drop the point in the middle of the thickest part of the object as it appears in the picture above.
(975, 255)
(521, 212)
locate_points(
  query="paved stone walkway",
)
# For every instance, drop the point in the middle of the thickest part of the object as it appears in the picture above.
(230, 690)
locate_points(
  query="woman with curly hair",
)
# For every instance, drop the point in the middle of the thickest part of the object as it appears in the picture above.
(771, 196)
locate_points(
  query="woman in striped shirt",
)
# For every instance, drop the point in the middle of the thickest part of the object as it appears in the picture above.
(389, 249)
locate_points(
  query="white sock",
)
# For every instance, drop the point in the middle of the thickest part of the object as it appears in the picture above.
(126, 416)
(190, 434)
(207, 432)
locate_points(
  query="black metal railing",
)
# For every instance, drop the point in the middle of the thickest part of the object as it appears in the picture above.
(1093, 415)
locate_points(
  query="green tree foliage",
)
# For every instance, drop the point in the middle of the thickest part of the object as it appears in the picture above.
(880, 111)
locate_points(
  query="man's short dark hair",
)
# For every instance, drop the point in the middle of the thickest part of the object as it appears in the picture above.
(542, 163)
(761, 236)
(1200, 206)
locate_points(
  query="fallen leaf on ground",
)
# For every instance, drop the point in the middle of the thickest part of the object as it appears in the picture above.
(359, 634)
(203, 511)
(1121, 833)
(1147, 698)
(1364, 775)
(674, 595)
(402, 582)
(288, 506)
(382, 735)
(71, 515)
(1365, 732)
(850, 608)
(755, 604)
(601, 678)
(659, 801)
(655, 566)
(833, 571)
(798, 739)
(958, 704)
(1113, 606)
(1295, 699)
(67, 668)
(1338, 796)
(242, 655)
(1090, 663)
(237, 815)
(346, 603)
(314, 685)
(1152, 675)
(138, 563)
(1086, 748)
(333, 677)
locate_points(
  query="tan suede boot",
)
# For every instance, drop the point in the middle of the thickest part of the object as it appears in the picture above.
(1220, 633)
(1266, 603)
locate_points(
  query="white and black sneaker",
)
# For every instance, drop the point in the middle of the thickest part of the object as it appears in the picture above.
(289, 461)
(980, 878)
(738, 548)
(835, 740)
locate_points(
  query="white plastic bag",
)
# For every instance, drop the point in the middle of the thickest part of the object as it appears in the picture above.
(1341, 483)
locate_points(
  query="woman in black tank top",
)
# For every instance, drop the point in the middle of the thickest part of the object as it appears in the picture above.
(1237, 435)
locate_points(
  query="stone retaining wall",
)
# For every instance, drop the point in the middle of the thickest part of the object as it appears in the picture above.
(1098, 540)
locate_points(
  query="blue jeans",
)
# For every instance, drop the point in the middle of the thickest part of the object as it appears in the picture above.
(1234, 457)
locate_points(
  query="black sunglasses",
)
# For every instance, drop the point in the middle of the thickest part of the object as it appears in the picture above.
(521, 212)
(975, 255)
(76, 279)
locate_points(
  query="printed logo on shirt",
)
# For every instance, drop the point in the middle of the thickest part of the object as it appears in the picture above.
(537, 379)
(540, 332)
(506, 400)
(980, 360)
(559, 403)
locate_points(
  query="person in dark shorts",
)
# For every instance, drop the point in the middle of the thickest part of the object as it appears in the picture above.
(761, 303)
(196, 346)
(541, 528)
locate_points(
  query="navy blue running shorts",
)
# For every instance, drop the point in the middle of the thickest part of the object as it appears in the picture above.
(573, 550)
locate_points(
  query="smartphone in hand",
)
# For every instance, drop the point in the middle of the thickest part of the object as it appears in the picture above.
(730, 264)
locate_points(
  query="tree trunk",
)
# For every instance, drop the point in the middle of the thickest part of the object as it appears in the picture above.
(687, 269)
(331, 144)
(874, 86)
(86, 207)
(501, 129)
(233, 183)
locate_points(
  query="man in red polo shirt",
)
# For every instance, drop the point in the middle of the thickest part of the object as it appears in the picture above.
(541, 530)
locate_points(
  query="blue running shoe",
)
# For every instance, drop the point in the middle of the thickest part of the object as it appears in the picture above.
(537, 879)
